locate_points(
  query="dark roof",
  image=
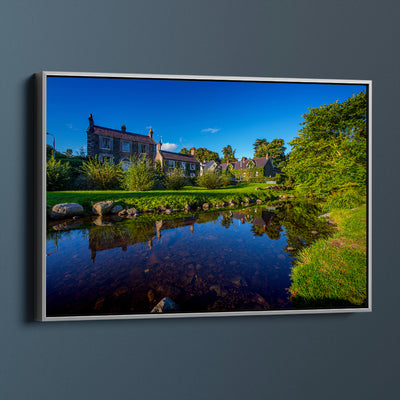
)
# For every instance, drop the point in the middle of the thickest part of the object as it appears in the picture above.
(259, 162)
(99, 130)
(169, 155)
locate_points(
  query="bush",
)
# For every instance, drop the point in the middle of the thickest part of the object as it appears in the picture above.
(210, 180)
(102, 175)
(175, 180)
(259, 179)
(140, 176)
(349, 197)
(58, 174)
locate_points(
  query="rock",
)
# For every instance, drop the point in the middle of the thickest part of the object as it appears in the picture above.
(206, 206)
(327, 215)
(314, 232)
(162, 208)
(187, 207)
(131, 211)
(116, 209)
(76, 217)
(122, 213)
(259, 201)
(66, 210)
(290, 248)
(168, 211)
(149, 211)
(232, 203)
(103, 207)
(165, 305)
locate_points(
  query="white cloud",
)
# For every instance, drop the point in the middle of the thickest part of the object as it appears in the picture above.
(169, 146)
(211, 130)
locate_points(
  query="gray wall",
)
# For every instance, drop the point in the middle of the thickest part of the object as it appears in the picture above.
(350, 356)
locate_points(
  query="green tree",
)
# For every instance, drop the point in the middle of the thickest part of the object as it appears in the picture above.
(102, 175)
(276, 149)
(140, 176)
(330, 153)
(175, 179)
(229, 154)
(184, 150)
(58, 174)
(203, 154)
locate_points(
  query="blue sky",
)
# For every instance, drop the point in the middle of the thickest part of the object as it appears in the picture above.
(185, 113)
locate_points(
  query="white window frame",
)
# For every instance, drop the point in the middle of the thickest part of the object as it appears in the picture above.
(256, 173)
(141, 147)
(192, 174)
(192, 166)
(171, 164)
(109, 156)
(101, 144)
(122, 146)
(183, 165)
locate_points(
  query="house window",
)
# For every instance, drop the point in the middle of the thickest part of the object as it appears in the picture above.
(256, 173)
(105, 143)
(126, 147)
(143, 148)
(105, 157)
(183, 165)
(192, 174)
(192, 166)
(171, 164)
(244, 173)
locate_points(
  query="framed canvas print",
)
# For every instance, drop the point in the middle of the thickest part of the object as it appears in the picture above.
(190, 196)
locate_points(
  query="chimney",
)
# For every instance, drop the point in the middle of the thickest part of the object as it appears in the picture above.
(151, 133)
(159, 146)
(91, 123)
(267, 156)
(192, 150)
(123, 128)
(244, 158)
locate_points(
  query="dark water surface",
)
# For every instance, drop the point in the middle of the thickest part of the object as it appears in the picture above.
(216, 261)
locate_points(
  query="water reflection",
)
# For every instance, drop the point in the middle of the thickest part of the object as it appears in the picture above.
(214, 261)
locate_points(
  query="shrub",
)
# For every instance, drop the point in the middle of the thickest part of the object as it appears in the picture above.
(102, 175)
(58, 174)
(210, 180)
(175, 180)
(140, 176)
(348, 197)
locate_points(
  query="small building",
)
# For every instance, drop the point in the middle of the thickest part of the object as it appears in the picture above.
(169, 161)
(252, 167)
(118, 145)
(208, 166)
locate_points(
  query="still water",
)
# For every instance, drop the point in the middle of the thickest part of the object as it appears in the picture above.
(215, 261)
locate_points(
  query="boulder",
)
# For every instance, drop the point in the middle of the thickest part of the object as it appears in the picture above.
(259, 201)
(116, 209)
(103, 207)
(187, 207)
(66, 210)
(165, 305)
(206, 206)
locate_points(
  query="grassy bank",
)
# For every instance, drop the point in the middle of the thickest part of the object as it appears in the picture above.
(193, 196)
(332, 272)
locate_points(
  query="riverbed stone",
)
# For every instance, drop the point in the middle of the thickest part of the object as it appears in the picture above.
(259, 201)
(103, 207)
(206, 206)
(66, 210)
(165, 305)
(187, 207)
(116, 209)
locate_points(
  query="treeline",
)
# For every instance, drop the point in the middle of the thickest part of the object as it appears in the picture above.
(328, 158)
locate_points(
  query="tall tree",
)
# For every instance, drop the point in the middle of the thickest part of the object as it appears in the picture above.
(229, 154)
(330, 152)
(203, 154)
(276, 148)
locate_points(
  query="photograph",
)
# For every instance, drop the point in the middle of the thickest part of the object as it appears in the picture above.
(195, 196)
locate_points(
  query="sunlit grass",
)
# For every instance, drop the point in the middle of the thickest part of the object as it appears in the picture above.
(333, 271)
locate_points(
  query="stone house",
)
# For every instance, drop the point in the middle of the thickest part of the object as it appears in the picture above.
(252, 167)
(118, 145)
(168, 160)
(206, 166)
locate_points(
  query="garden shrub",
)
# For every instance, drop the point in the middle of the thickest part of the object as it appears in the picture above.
(102, 175)
(210, 180)
(140, 176)
(58, 174)
(175, 180)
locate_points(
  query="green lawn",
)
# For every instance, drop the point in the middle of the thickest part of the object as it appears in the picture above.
(191, 195)
(332, 272)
